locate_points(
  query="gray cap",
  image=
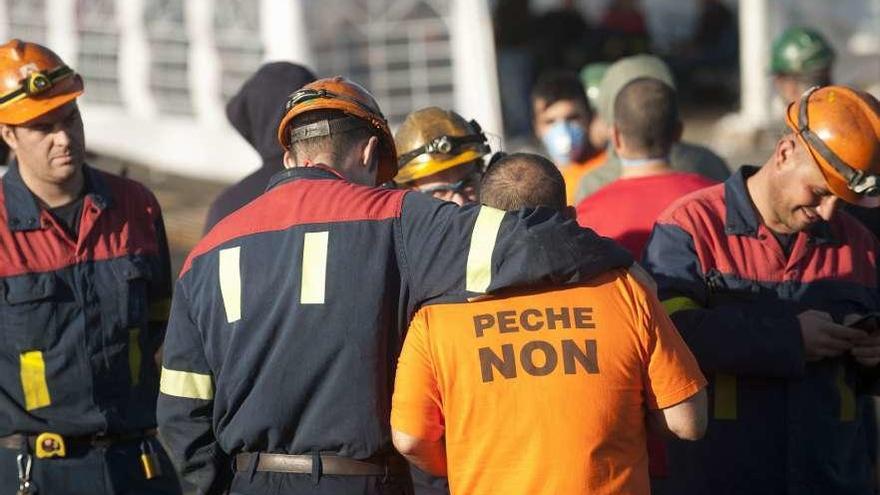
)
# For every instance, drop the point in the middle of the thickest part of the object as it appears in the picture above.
(625, 70)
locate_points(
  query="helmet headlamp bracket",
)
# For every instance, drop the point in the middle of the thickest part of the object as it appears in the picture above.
(448, 145)
(37, 82)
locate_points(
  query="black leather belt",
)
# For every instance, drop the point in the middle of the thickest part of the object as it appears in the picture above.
(16, 440)
(330, 464)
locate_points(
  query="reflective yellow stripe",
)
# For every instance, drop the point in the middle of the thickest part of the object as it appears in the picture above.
(186, 384)
(230, 282)
(160, 309)
(134, 355)
(479, 262)
(676, 304)
(847, 396)
(33, 380)
(725, 396)
(314, 267)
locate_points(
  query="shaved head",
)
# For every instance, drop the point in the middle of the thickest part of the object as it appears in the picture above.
(523, 180)
(646, 115)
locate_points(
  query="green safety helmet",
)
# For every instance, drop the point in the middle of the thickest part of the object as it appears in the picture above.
(800, 50)
(591, 78)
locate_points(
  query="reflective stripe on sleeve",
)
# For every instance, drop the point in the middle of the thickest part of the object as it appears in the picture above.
(676, 304)
(479, 261)
(134, 355)
(230, 282)
(847, 396)
(159, 310)
(724, 406)
(186, 384)
(314, 267)
(33, 380)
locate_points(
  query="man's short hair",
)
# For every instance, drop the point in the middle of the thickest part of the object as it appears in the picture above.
(339, 144)
(555, 86)
(646, 114)
(523, 180)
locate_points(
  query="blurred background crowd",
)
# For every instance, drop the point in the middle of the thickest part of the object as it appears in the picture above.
(159, 73)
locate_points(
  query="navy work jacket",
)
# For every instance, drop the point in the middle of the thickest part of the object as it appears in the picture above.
(778, 424)
(81, 319)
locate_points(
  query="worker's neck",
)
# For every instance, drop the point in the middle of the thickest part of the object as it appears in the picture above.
(760, 192)
(643, 166)
(53, 195)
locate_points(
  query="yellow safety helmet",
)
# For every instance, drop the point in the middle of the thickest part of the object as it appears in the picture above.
(431, 140)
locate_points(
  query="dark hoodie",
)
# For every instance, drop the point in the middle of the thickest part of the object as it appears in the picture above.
(255, 112)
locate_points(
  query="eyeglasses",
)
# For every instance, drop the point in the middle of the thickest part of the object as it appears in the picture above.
(856, 180)
(464, 187)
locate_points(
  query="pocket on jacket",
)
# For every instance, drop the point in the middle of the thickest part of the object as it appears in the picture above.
(28, 310)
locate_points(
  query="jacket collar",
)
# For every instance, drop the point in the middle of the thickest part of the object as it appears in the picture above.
(742, 216)
(22, 208)
(310, 172)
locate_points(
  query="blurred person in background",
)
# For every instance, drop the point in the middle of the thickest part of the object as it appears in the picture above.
(255, 112)
(684, 156)
(441, 154)
(646, 125)
(85, 287)
(599, 132)
(514, 24)
(800, 59)
(625, 29)
(765, 278)
(561, 120)
(465, 404)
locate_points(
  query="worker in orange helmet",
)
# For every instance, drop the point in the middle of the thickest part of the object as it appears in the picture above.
(84, 296)
(768, 281)
(289, 315)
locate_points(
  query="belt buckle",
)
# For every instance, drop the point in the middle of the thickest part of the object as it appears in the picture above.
(50, 445)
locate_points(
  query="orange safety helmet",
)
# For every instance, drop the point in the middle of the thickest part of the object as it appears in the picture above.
(338, 93)
(33, 81)
(840, 127)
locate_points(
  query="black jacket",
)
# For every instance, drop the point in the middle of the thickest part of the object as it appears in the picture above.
(255, 112)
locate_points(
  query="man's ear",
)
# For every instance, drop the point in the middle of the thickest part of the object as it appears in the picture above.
(8, 135)
(288, 160)
(677, 133)
(616, 140)
(785, 151)
(370, 154)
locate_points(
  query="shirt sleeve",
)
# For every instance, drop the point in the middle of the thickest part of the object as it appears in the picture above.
(460, 252)
(186, 403)
(416, 403)
(673, 374)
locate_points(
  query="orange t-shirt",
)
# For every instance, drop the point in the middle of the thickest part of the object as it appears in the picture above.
(544, 392)
(572, 174)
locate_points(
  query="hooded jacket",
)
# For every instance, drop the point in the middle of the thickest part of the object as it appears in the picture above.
(255, 112)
